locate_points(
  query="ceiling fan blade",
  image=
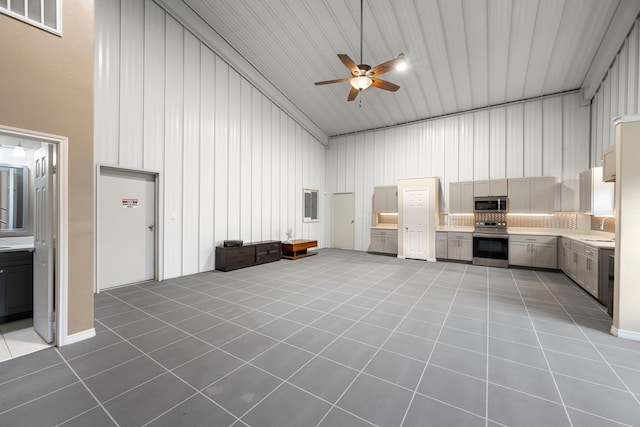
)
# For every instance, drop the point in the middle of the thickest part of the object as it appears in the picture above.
(327, 82)
(352, 94)
(386, 66)
(385, 85)
(349, 63)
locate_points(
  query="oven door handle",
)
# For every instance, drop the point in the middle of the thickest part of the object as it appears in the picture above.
(493, 236)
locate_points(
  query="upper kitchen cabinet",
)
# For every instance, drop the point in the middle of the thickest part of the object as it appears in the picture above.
(596, 196)
(490, 187)
(461, 197)
(385, 199)
(609, 164)
(532, 195)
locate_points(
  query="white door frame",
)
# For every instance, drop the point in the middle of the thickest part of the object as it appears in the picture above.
(62, 230)
(158, 249)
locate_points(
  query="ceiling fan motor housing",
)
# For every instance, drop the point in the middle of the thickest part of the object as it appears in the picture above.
(363, 70)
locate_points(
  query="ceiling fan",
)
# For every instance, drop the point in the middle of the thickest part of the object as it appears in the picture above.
(363, 74)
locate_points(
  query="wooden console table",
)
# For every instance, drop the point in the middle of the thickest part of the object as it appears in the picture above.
(250, 254)
(295, 249)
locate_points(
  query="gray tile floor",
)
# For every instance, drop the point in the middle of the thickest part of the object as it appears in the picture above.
(339, 339)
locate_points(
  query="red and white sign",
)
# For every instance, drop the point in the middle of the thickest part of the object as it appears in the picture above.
(130, 203)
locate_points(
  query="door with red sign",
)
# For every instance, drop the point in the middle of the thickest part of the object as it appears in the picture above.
(126, 227)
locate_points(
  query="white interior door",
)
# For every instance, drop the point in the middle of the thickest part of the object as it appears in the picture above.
(126, 227)
(44, 242)
(414, 220)
(343, 220)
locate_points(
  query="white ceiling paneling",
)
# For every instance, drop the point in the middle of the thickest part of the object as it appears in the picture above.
(463, 54)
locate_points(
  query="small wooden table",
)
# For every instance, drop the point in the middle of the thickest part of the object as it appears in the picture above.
(295, 249)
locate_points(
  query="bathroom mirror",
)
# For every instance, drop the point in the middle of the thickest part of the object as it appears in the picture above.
(13, 197)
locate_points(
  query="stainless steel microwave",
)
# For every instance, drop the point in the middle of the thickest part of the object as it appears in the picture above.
(490, 204)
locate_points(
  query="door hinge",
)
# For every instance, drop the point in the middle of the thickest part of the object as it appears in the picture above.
(53, 169)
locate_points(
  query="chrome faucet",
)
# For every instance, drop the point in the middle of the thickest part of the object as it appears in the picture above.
(603, 220)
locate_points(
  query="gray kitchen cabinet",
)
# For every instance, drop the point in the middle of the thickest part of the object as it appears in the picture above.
(384, 241)
(533, 251)
(532, 195)
(16, 285)
(588, 269)
(390, 243)
(441, 244)
(490, 187)
(385, 199)
(460, 246)
(596, 196)
(609, 164)
(582, 264)
(543, 194)
(377, 242)
(461, 197)
(519, 195)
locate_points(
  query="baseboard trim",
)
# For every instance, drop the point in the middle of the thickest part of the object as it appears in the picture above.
(77, 337)
(627, 335)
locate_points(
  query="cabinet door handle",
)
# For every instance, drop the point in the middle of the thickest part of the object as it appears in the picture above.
(1, 271)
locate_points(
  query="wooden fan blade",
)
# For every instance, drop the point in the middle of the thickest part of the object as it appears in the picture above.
(327, 82)
(386, 66)
(385, 85)
(349, 63)
(352, 94)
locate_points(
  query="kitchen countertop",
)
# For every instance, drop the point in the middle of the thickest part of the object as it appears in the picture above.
(14, 244)
(384, 227)
(592, 238)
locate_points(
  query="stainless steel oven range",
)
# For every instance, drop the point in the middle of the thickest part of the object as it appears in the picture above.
(490, 240)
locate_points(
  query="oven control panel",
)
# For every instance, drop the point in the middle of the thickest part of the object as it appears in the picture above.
(491, 224)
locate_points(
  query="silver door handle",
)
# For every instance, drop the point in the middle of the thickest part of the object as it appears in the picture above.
(150, 227)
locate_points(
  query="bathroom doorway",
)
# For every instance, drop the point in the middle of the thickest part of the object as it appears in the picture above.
(42, 235)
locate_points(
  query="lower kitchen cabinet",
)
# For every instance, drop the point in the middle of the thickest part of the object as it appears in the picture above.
(384, 241)
(460, 246)
(16, 285)
(583, 264)
(441, 244)
(533, 251)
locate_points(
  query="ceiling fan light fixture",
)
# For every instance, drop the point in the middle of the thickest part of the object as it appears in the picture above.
(361, 83)
(402, 63)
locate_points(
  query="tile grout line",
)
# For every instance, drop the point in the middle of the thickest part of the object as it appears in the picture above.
(555, 383)
(232, 355)
(166, 371)
(596, 348)
(31, 373)
(38, 398)
(317, 354)
(424, 370)
(86, 388)
(361, 371)
(309, 325)
(486, 388)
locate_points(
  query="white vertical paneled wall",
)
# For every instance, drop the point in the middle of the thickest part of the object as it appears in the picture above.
(232, 164)
(549, 136)
(618, 95)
